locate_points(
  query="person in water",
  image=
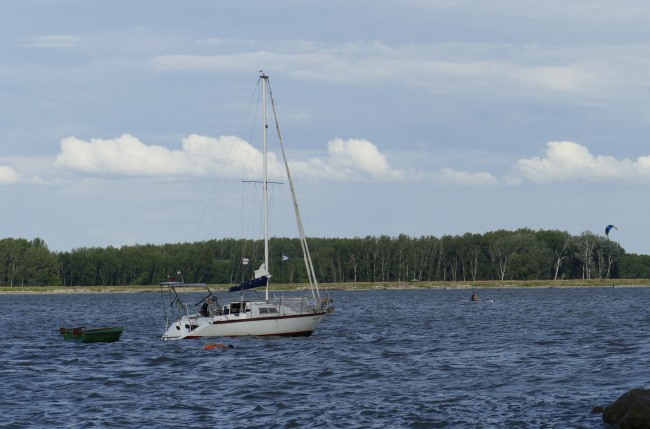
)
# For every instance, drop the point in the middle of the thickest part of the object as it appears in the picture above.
(474, 296)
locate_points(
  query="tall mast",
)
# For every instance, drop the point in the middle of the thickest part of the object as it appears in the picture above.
(266, 185)
(309, 265)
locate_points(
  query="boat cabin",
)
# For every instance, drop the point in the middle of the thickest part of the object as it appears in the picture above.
(256, 308)
(237, 307)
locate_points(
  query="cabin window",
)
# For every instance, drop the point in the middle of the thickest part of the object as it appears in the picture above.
(272, 310)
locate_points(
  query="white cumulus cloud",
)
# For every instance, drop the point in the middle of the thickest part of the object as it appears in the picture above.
(8, 175)
(352, 159)
(126, 155)
(567, 160)
(359, 157)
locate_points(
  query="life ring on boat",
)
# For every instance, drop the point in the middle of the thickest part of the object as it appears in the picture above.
(212, 346)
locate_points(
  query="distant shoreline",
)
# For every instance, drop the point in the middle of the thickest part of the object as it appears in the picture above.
(345, 286)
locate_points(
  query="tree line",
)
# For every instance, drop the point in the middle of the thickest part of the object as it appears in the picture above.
(523, 254)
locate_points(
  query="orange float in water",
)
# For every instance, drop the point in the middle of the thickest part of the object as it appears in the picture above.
(211, 346)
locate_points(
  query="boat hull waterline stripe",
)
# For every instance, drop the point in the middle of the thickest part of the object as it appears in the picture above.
(288, 334)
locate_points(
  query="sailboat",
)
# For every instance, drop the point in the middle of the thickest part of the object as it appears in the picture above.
(271, 316)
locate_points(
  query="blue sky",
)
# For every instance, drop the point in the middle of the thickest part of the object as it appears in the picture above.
(415, 117)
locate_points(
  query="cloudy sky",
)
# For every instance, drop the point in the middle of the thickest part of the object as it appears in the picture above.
(408, 116)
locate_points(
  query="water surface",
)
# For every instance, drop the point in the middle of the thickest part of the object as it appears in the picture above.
(533, 358)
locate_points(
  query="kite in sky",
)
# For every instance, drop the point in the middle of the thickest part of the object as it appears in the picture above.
(608, 228)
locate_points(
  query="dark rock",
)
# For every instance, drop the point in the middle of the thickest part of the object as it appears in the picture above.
(630, 411)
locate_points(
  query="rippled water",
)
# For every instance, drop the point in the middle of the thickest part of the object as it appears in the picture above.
(415, 359)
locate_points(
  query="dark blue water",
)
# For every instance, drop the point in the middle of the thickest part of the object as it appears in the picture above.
(538, 358)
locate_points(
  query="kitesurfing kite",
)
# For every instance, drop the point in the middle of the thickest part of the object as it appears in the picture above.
(608, 228)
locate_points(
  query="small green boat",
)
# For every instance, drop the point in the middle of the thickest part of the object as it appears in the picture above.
(98, 335)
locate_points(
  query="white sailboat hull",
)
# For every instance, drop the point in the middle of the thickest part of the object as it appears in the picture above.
(243, 325)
